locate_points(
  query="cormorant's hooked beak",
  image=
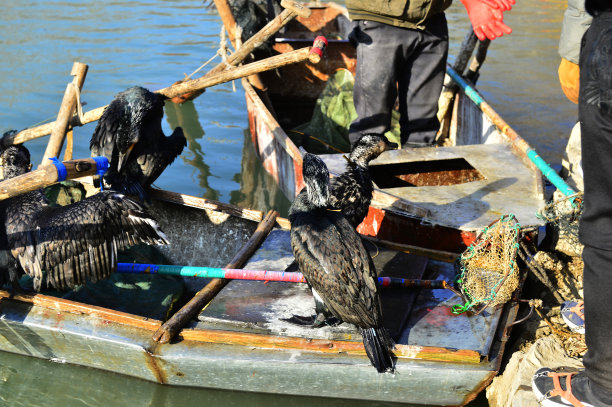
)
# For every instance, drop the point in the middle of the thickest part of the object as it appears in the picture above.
(123, 157)
(390, 145)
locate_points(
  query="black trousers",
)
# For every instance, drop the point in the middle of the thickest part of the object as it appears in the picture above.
(402, 64)
(598, 320)
(595, 114)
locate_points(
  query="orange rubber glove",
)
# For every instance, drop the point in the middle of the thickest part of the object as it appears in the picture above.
(488, 22)
(503, 5)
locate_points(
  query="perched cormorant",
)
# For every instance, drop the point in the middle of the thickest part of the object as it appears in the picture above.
(351, 192)
(67, 245)
(130, 135)
(335, 263)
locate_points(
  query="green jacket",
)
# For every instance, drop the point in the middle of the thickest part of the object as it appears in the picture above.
(399, 13)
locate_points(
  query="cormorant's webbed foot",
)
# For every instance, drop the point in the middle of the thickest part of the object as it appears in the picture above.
(315, 322)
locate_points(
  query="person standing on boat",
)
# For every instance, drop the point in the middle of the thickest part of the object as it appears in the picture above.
(402, 47)
(575, 22)
(593, 386)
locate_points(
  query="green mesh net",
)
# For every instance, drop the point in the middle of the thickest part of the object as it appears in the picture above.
(489, 273)
(563, 216)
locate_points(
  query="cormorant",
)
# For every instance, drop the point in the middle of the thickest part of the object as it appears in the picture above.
(351, 192)
(130, 135)
(67, 245)
(332, 258)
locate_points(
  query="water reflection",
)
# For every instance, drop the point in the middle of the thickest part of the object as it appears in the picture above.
(31, 382)
(186, 116)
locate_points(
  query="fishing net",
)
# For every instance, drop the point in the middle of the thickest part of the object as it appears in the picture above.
(563, 215)
(489, 273)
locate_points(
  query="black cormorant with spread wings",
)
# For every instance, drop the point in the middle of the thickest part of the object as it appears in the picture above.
(67, 245)
(332, 258)
(130, 135)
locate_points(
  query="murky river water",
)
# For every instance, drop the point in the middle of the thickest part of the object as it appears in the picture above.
(154, 43)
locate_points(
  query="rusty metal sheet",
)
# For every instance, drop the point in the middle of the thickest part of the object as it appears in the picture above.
(505, 185)
(265, 307)
(431, 319)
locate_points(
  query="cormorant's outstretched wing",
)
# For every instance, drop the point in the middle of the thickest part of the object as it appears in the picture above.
(337, 266)
(79, 242)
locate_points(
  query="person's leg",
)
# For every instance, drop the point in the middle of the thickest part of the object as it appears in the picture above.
(593, 386)
(375, 89)
(598, 313)
(420, 83)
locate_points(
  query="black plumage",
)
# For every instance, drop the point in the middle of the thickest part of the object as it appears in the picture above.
(67, 245)
(340, 271)
(130, 135)
(351, 192)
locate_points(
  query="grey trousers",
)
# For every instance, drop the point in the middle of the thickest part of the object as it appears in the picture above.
(402, 64)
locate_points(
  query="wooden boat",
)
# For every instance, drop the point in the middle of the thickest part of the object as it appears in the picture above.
(438, 198)
(241, 340)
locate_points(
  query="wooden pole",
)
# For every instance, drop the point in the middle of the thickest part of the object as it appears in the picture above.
(450, 88)
(47, 175)
(174, 325)
(267, 64)
(231, 74)
(472, 73)
(66, 112)
(292, 9)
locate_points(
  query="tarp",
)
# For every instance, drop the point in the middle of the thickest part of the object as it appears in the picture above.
(333, 113)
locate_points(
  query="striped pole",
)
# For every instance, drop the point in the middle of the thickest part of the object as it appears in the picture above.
(263, 275)
(507, 131)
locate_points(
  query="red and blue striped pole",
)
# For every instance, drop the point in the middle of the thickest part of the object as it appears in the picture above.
(263, 275)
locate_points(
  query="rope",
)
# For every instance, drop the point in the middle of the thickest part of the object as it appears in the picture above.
(223, 52)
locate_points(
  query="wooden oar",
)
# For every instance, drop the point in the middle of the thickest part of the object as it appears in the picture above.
(312, 54)
(292, 9)
(50, 174)
(174, 325)
(450, 88)
(262, 275)
(517, 141)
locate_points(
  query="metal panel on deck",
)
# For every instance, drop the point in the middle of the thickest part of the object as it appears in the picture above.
(255, 306)
(505, 185)
(432, 322)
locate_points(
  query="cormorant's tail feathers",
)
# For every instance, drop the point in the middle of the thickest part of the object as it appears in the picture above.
(378, 346)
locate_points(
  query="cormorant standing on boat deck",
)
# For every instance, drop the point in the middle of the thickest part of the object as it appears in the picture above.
(130, 135)
(351, 192)
(336, 265)
(69, 244)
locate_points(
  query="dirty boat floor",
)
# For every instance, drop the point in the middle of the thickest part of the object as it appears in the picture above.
(463, 187)
(413, 317)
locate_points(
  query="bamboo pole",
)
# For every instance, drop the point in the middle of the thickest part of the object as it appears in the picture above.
(307, 53)
(174, 325)
(450, 88)
(312, 54)
(517, 141)
(210, 204)
(49, 174)
(292, 9)
(66, 112)
(473, 72)
(261, 275)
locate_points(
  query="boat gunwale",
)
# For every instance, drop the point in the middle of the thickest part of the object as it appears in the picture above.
(243, 339)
